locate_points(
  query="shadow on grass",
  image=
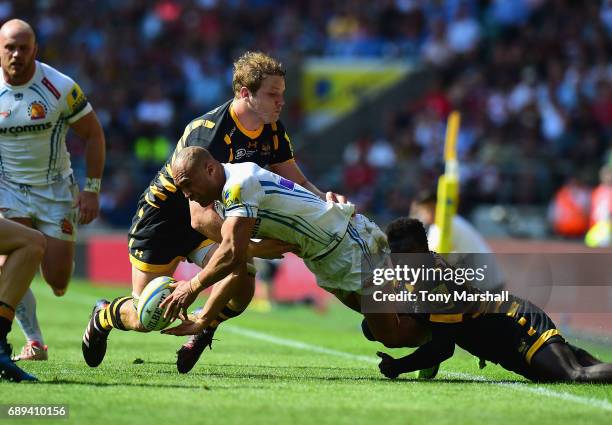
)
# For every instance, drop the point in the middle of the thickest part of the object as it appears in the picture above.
(358, 377)
(121, 384)
(146, 362)
(270, 373)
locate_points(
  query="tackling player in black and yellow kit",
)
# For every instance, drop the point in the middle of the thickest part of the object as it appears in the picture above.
(516, 334)
(161, 233)
(244, 129)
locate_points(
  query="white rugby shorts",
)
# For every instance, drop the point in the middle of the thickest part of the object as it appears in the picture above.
(350, 265)
(51, 208)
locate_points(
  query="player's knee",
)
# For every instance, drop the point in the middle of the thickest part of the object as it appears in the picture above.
(59, 292)
(564, 374)
(59, 288)
(58, 279)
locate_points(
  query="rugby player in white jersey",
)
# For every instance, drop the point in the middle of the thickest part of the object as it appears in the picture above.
(37, 187)
(330, 238)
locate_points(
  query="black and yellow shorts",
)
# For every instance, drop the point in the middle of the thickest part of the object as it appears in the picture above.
(535, 328)
(162, 236)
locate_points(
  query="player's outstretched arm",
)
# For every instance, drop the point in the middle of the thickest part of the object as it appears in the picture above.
(427, 355)
(232, 252)
(290, 170)
(270, 249)
(88, 128)
(206, 221)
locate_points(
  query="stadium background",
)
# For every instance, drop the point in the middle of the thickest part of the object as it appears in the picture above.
(369, 88)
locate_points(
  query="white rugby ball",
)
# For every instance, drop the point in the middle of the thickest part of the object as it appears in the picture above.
(150, 315)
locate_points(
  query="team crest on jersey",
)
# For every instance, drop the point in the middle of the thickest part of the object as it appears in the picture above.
(232, 196)
(240, 153)
(37, 111)
(67, 227)
(5, 114)
(245, 153)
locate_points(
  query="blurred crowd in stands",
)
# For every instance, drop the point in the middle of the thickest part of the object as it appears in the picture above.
(532, 79)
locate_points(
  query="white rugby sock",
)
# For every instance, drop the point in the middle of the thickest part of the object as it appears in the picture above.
(25, 315)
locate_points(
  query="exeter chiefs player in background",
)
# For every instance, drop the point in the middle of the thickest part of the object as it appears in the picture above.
(37, 187)
(243, 129)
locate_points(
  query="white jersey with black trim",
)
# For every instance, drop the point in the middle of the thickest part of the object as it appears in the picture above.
(34, 119)
(284, 209)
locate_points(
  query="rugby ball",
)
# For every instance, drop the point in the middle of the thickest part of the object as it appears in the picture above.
(150, 315)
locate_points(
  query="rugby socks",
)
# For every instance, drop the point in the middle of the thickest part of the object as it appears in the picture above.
(110, 316)
(225, 314)
(26, 318)
(7, 314)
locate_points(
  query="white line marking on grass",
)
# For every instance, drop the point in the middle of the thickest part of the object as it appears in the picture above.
(296, 344)
(536, 389)
(531, 388)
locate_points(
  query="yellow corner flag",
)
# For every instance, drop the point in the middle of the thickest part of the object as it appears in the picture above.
(448, 185)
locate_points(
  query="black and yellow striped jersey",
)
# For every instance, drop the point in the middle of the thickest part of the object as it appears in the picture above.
(222, 134)
(508, 332)
(463, 300)
(510, 340)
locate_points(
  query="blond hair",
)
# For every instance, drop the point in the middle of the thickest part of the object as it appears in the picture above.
(252, 68)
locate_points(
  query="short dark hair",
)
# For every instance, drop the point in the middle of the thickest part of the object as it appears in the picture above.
(407, 235)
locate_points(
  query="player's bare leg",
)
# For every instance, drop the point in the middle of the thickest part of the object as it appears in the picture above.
(229, 298)
(58, 264)
(56, 268)
(25, 249)
(557, 362)
(584, 357)
(118, 314)
(235, 291)
(34, 348)
(128, 316)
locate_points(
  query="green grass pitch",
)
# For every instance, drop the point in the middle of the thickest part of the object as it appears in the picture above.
(288, 366)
